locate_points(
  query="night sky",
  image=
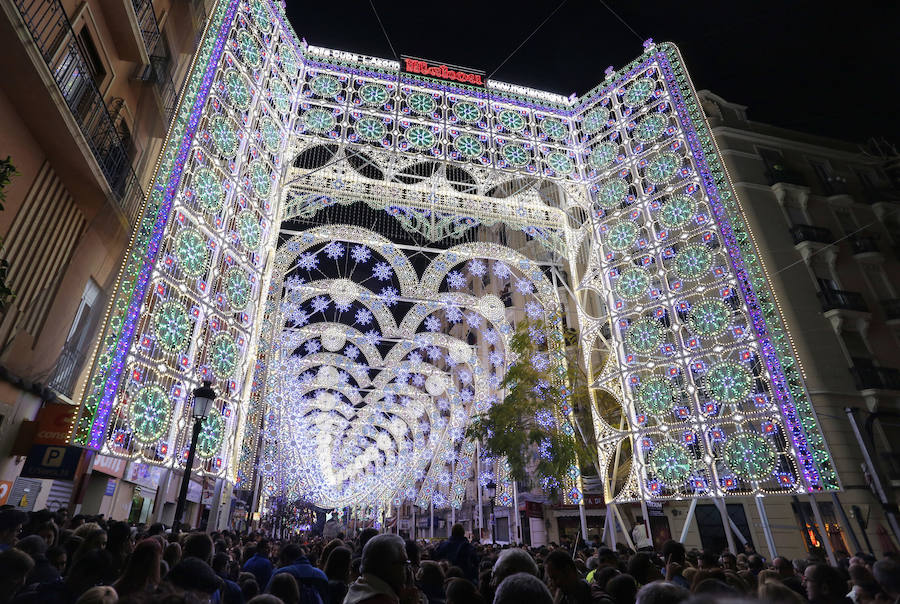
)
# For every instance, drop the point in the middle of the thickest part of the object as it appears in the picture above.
(827, 68)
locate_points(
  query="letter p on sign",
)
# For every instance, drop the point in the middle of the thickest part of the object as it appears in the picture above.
(53, 457)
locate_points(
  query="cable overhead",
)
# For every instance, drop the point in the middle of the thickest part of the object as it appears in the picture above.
(625, 23)
(383, 30)
(559, 6)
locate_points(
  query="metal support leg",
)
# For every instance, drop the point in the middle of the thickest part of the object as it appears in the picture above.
(624, 528)
(823, 531)
(767, 528)
(687, 520)
(723, 511)
(845, 522)
(581, 514)
(515, 513)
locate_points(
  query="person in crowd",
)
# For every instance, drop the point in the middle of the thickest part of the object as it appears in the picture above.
(11, 522)
(459, 552)
(887, 574)
(461, 591)
(14, 568)
(284, 587)
(622, 589)
(293, 560)
(141, 574)
(522, 588)
(825, 585)
(260, 565)
(565, 579)
(231, 591)
(662, 592)
(430, 579)
(101, 594)
(337, 570)
(640, 537)
(386, 577)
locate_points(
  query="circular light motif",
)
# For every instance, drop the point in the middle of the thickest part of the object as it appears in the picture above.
(655, 395)
(260, 15)
(670, 463)
(191, 252)
(512, 120)
(644, 336)
(208, 190)
(342, 291)
(595, 120)
(327, 376)
(621, 235)
(373, 94)
(612, 193)
(677, 211)
(260, 178)
(172, 326)
(249, 49)
(238, 90)
(223, 355)
(663, 168)
(270, 134)
(632, 283)
(555, 129)
(288, 59)
(149, 413)
(650, 128)
(460, 352)
(603, 155)
(319, 120)
(421, 103)
(212, 430)
(467, 112)
(435, 384)
(248, 229)
(370, 129)
(693, 261)
(326, 86)
(729, 382)
(639, 92)
(515, 154)
(223, 136)
(561, 163)
(750, 456)
(280, 97)
(333, 338)
(420, 137)
(469, 146)
(492, 307)
(237, 288)
(709, 317)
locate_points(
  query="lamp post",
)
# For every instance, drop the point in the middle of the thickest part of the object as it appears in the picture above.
(491, 492)
(204, 397)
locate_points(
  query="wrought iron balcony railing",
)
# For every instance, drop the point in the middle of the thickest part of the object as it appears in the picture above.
(832, 299)
(875, 378)
(776, 175)
(54, 38)
(159, 71)
(64, 374)
(806, 232)
(864, 244)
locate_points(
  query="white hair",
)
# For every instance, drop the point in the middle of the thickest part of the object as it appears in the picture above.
(512, 561)
(522, 587)
(662, 592)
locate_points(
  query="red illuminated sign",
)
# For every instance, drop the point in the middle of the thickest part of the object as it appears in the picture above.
(442, 72)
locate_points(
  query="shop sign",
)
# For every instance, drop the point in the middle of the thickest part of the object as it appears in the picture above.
(54, 424)
(144, 474)
(110, 487)
(57, 463)
(442, 71)
(5, 488)
(113, 466)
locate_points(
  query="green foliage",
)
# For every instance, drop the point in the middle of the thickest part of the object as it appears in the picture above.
(7, 171)
(538, 451)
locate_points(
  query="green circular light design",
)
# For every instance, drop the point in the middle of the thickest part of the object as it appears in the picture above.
(670, 463)
(729, 382)
(693, 261)
(662, 168)
(212, 431)
(561, 163)
(325, 86)
(515, 154)
(172, 326)
(750, 456)
(632, 283)
(621, 235)
(655, 395)
(555, 129)
(469, 146)
(650, 128)
(319, 120)
(248, 229)
(677, 211)
(236, 287)
(280, 98)
(371, 129)
(249, 49)
(223, 355)
(373, 95)
(639, 92)
(420, 137)
(238, 89)
(644, 336)
(595, 120)
(288, 59)
(709, 317)
(421, 103)
(191, 252)
(260, 179)
(512, 120)
(270, 134)
(260, 15)
(612, 193)
(149, 412)
(208, 189)
(603, 155)
(467, 112)
(223, 136)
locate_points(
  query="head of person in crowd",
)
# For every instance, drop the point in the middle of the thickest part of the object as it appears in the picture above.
(622, 589)
(643, 569)
(384, 556)
(100, 594)
(198, 545)
(707, 560)
(142, 572)
(887, 574)
(337, 566)
(11, 522)
(522, 588)
(289, 554)
(194, 576)
(512, 561)
(824, 584)
(728, 561)
(775, 592)
(364, 537)
(561, 570)
(461, 591)
(285, 587)
(661, 592)
(14, 567)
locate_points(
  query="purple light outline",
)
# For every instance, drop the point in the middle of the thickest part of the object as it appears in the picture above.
(104, 406)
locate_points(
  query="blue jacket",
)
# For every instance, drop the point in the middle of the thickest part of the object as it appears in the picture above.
(306, 574)
(261, 567)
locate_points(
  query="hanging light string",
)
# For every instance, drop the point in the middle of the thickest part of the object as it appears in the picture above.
(621, 20)
(555, 10)
(384, 31)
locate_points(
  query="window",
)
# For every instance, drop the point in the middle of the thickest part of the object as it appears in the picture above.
(712, 529)
(91, 56)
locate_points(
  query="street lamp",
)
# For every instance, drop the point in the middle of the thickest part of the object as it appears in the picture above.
(204, 397)
(492, 491)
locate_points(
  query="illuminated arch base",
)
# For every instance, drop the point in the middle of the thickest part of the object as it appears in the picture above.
(345, 250)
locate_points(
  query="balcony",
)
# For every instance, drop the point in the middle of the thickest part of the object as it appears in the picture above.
(803, 233)
(159, 70)
(875, 378)
(65, 373)
(777, 174)
(891, 309)
(864, 244)
(836, 299)
(52, 34)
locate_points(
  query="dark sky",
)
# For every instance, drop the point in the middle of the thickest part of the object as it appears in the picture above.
(827, 68)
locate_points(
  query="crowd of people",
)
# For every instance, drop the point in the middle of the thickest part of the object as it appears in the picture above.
(48, 558)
